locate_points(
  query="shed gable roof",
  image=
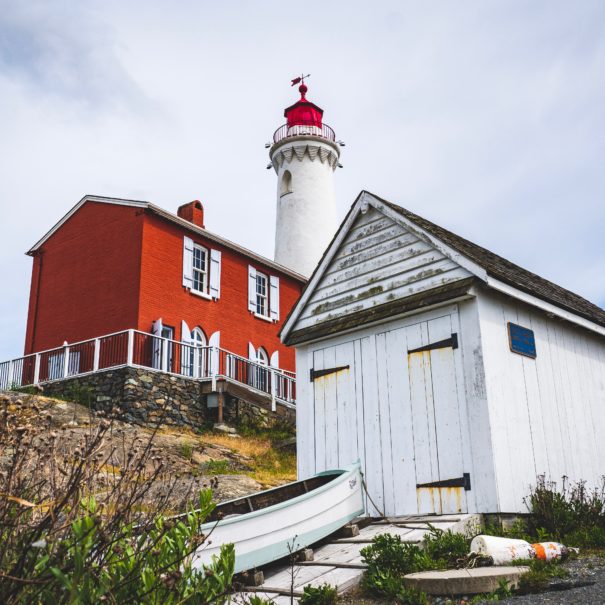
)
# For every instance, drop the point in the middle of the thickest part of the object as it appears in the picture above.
(490, 268)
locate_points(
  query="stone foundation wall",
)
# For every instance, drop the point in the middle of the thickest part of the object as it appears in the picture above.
(141, 396)
(239, 411)
(146, 397)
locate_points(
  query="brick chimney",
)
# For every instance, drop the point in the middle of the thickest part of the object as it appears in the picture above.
(192, 212)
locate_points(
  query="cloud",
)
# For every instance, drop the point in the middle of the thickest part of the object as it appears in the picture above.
(487, 118)
(65, 49)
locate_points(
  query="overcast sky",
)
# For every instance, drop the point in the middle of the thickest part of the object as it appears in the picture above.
(486, 117)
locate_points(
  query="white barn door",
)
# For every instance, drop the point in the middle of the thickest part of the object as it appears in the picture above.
(333, 378)
(436, 394)
(398, 409)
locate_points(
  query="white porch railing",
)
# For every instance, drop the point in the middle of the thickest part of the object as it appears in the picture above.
(142, 350)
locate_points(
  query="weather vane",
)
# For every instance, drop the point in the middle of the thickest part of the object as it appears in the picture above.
(300, 79)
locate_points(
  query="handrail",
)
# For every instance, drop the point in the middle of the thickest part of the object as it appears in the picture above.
(324, 131)
(144, 350)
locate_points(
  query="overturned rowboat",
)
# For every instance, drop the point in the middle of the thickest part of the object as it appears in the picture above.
(272, 524)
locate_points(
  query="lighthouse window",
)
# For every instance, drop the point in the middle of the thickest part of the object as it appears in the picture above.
(286, 183)
(262, 307)
(200, 269)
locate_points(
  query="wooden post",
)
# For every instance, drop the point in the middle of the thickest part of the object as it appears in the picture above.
(65, 361)
(37, 369)
(164, 362)
(130, 347)
(96, 355)
(221, 400)
(273, 390)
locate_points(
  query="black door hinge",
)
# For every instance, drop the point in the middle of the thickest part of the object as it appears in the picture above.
(318, 373)
(464, 481)
(452, 341)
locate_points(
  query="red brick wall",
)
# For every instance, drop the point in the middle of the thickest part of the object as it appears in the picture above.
(163, 295)
(89, 281)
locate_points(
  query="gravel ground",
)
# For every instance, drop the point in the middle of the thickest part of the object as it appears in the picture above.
(584, 586)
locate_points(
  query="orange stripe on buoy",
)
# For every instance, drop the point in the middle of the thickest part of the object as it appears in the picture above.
(540, 551)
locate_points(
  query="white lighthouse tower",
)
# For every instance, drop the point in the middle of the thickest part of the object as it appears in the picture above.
(305, 155)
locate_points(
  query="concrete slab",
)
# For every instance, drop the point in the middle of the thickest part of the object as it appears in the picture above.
(464, 581)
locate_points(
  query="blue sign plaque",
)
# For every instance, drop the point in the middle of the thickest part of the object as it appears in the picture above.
(521, 340)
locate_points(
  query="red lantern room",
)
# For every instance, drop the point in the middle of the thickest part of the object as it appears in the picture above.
(303, 112)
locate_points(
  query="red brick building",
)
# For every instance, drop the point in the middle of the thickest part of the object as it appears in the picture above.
(111, 264)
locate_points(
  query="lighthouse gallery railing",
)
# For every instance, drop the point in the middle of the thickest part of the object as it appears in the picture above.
(142, 350)
(324, 131)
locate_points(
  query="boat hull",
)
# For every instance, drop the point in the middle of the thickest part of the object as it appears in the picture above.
(272, 533)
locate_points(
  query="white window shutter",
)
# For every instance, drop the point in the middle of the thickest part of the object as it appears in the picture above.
(215, 273)
(251, 289)
(185, 332)
(251, 352)
(215, 339)
(156, 327)
(215, 342)
(274, 362)
(186, 352)
(274, 297)
(187, 262)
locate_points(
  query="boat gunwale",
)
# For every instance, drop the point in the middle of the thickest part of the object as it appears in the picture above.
(338, 479)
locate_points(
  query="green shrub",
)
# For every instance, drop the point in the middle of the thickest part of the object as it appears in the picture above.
(388, 559)
(186, 450)
(218, 467)
(574, 515)
(256, 600)
(320, 595)
(445, 547)
(539, 575)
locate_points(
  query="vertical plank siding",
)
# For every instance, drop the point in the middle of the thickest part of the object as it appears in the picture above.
(547, 415)
(378, 261)
(393, 410)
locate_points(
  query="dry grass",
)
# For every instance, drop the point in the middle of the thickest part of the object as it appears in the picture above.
(268, 465)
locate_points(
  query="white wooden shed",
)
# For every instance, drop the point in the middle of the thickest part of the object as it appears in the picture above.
(454, 375)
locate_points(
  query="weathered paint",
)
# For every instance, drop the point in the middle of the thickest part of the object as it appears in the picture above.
(547, 415)
(378, 261)
(391, 411)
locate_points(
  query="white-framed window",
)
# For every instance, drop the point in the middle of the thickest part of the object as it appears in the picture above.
(263, 294)
(197, 353)
(200, 269)
(259, 372)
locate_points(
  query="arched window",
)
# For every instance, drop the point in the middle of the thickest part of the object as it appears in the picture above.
(198, 355)
(262, 357)
(259, 376)
(286, 183)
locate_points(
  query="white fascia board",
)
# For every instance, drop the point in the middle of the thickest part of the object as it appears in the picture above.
(448, 251)
(551, 308)
(86, 198)
(323, 264)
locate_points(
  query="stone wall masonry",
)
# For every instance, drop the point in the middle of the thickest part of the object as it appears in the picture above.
(141, 396)
(147, 397)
